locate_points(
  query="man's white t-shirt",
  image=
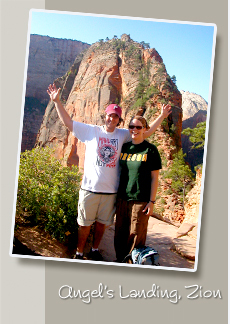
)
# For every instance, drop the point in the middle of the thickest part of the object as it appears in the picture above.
(101, 167)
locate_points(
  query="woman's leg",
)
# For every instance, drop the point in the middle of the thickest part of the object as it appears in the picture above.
(138, 227)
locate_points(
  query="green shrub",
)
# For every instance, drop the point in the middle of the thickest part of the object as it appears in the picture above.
(159, 210)
(163, 201)
(48, 192)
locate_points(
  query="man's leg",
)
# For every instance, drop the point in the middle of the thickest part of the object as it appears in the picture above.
(87, 206)
(98, 234)
(105, 215)
(122, 226)
(83, 233)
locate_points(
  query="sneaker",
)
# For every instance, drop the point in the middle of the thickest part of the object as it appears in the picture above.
(95, 255)
(78, 257)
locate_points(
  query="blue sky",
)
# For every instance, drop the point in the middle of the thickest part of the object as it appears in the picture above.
(185, 47)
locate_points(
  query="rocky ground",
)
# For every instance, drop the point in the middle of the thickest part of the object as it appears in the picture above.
(176, 246)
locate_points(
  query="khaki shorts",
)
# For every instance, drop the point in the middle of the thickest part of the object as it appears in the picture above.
(96, 207)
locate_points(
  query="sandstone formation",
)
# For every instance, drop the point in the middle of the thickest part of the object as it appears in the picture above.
(192, 103)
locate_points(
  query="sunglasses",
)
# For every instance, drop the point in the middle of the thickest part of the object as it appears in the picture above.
(137, 127)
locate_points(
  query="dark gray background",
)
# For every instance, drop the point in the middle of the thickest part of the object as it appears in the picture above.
(30, 287)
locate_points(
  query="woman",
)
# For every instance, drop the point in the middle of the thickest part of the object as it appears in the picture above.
(140, 163)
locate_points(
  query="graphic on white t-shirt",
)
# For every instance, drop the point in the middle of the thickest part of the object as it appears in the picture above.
(107, 152)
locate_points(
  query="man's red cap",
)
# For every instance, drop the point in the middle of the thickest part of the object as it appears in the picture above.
(113, 109)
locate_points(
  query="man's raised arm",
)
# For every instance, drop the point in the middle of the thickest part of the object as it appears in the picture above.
(54, 94)
(165, 111)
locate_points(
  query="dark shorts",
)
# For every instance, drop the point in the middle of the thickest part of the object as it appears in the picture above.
(130, 227)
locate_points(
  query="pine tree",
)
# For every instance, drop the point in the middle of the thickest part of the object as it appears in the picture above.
(196, 135)
(173, 78)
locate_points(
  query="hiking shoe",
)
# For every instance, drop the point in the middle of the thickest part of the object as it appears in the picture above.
(95, 255)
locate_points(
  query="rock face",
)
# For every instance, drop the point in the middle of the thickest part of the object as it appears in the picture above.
(193, 201)
(110, 72)
(49, 58)
(198, 117)
(192, 103)
(33, 115)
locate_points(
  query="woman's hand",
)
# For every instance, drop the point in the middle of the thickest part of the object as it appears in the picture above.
(166, 110)
(148, 210)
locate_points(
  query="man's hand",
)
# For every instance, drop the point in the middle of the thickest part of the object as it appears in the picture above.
(166, 110)
(53, 92)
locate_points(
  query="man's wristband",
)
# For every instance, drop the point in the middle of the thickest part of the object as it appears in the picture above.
(152, 201)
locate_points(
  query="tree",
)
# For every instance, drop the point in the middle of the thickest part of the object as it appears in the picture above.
(196, 135)
(180, 174)
(173, 78)
(145, 45)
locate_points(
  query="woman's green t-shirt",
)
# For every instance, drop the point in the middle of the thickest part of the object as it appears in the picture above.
(136, 163)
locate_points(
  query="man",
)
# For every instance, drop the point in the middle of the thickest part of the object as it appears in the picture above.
(100, 181)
